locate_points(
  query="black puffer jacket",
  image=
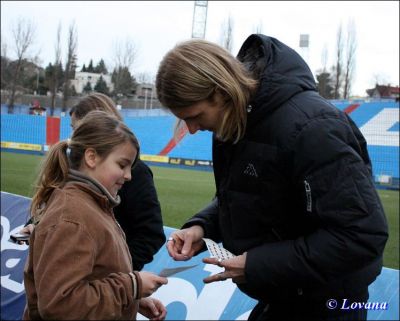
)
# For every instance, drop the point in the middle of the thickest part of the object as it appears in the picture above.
(296, 192)
(139, 215)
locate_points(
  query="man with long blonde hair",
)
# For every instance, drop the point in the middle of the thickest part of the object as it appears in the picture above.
(295, 200)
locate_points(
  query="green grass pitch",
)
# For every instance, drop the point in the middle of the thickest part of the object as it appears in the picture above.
(181, 193)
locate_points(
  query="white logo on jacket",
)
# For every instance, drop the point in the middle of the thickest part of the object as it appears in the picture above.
(250, 170)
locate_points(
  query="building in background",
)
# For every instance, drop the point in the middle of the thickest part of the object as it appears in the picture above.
(83, 78)
(381, 91)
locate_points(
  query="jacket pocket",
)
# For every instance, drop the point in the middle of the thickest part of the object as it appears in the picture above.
(334, 191)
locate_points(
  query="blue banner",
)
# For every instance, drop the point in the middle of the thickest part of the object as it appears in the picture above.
(14, 214)
(185, 296)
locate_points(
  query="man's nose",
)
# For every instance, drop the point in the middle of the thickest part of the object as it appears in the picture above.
(192, 127)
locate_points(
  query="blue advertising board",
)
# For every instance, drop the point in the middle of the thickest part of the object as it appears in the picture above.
(185, 296)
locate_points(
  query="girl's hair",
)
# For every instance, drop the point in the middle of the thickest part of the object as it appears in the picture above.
(97, 130)
(195, 71)
(95, 101)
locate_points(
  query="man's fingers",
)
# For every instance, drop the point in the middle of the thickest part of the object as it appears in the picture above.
(175, 252)
(172, 240)
(187, 245)
(174, 246)
(216, 277)
(214, 260)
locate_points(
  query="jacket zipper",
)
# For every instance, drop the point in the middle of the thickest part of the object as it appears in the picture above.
(308, 196)
(276, 234)
(309, 209)
(116, 223)
(123, 235)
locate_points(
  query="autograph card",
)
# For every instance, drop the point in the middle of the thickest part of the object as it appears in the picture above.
(217, 251)
(169, 272)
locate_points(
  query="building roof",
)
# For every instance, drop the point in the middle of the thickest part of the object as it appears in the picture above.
(384, 91)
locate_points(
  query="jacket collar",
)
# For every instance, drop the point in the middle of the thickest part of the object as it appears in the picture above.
(77, 176)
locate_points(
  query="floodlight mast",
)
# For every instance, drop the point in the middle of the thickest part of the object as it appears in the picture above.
(304, 45)
(199, 19)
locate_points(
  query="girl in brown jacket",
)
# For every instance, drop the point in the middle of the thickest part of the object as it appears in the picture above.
(79, 266)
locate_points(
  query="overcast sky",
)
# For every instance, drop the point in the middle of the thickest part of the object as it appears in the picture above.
(156, 26)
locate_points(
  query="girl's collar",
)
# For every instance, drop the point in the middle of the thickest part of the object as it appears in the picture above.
(80, 177)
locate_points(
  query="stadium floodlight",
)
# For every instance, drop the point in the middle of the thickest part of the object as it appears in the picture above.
(304, 45)
(304, 40)
(199, 19)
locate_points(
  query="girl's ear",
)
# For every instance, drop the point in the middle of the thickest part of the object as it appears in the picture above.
(90, 158)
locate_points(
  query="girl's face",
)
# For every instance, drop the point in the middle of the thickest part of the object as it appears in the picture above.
(113, 171)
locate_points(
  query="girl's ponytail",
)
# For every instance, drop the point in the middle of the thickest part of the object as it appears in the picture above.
(53, 174)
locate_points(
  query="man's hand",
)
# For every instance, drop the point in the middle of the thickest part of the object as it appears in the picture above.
(183, 244)
(234, 269)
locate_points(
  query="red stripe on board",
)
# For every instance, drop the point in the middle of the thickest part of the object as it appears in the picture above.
(349, 109)
(174, 141)
(52, 130)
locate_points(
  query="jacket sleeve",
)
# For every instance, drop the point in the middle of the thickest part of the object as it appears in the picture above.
(207, 218)
(340, 198)
(62, 262)
(139, 215)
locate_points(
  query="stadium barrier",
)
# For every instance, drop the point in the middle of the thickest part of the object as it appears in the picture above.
(185, 296)
(378, 121)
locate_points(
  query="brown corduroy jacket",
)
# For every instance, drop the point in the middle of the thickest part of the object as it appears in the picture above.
(79, 263)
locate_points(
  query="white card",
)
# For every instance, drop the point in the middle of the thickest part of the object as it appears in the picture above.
(171, 271)
(217, 251)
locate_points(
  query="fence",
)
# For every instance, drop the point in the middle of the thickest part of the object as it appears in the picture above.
(378, 121)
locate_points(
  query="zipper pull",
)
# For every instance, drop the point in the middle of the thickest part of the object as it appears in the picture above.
(308, 195)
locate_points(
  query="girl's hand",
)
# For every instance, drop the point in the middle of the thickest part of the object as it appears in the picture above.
(150, 283)
(152, 309)
(26, 230)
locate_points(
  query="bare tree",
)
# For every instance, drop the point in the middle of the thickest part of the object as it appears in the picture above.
(144, 78)
(70, 64)
(350, 61)
(379, 79)
(23, 36)
(125, 54)
(4, 63)
(227, 34)
(323, 76)
(54, 81)
(324, 57)
(259, 28)
(3, 46)
(339, 63)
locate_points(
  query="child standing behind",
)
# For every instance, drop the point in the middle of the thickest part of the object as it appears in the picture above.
(79, 266)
